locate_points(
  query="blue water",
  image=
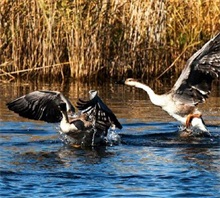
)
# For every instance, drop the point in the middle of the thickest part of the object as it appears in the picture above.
(151, 161)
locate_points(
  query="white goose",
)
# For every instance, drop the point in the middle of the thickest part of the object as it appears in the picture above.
(88, 127)
(192, 87)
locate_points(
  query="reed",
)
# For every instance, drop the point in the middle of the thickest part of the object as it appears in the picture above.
(90, 39)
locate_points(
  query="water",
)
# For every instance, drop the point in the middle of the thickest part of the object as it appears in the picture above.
(151, 161)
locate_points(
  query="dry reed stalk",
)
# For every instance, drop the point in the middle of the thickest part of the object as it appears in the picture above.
(102, 38)
(190, 23)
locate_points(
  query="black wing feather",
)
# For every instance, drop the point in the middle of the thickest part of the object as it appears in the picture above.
(102, 113)
(195, 81)
(38, 105)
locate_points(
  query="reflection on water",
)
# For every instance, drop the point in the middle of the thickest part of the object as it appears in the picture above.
(150, 161)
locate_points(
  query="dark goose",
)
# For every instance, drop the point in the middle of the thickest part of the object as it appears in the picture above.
(88, 127)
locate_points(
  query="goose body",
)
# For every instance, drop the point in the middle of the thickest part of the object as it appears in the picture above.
(88, 127)
(192, 87)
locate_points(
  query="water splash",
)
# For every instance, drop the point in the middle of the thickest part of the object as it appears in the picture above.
(113, 138)
(193, 132)
(92, 138)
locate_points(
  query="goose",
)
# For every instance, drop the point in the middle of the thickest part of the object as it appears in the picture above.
(192, 87)
(88, 127)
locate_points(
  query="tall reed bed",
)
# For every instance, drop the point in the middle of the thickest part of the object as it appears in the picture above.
(89, 39)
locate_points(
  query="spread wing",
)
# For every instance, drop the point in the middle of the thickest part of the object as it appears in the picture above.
(103, 115)
(195, 81)
(40, 105)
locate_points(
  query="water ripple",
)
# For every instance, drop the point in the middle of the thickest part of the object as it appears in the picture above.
(151, 161)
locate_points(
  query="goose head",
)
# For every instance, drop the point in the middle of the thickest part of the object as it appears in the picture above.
(129, 81)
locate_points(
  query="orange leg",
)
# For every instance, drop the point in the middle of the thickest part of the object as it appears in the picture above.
(190, 118)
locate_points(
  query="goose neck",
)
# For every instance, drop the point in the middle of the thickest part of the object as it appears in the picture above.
(65, 118)
(155, 98)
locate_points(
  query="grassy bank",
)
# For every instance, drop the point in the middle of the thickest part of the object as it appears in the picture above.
(102, 39)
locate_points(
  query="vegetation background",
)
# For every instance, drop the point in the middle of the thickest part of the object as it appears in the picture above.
(104, 39)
